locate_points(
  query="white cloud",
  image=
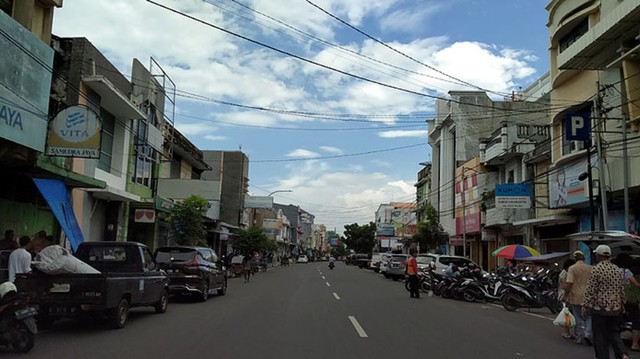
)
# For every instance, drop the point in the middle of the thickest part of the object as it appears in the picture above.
(330, 149)
(215, 138)
(400, 133)
(302, 153)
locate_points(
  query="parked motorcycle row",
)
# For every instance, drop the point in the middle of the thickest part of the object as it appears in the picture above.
(525, 289)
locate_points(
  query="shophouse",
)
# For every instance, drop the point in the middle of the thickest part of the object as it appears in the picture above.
(594, 47)
(34, 186)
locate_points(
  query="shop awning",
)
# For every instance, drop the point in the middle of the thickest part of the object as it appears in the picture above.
(57, 197)
(111, 193)
(544, 257)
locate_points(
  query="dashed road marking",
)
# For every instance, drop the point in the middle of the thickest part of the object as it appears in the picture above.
(323, 277)
(327, 283)
(336, 295)
(358, 327)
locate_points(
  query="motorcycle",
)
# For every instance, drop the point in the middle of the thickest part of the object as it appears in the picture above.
(532, 291)
(17, 319)
(489, 287)
(331, 265)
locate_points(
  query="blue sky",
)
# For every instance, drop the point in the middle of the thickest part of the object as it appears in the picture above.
(342, 145)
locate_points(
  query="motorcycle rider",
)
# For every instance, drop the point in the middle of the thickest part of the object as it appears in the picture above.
(331, 263)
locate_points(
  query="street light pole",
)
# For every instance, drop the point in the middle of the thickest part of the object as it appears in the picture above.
(278, 191)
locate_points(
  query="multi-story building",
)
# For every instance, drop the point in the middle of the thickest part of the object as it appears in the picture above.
(423, 187)
(27, 206)
(395, 225)
(85, 79)
(594, 49)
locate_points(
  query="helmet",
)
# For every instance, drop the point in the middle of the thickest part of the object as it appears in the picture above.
(6, 288)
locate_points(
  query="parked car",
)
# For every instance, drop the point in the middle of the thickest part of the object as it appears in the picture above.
(442, 261)
(302, 259)
(129, 277)
(384, 263)
(397, 266)
(362, 260)
(374, 263)
(193, 270)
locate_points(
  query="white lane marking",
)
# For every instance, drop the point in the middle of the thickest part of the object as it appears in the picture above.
(358, 327)
(323, 277)
(327, 283)
(336, 295)
(526, 313)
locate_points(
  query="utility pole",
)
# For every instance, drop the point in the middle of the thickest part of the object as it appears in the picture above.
(601, 161)
(625, 166)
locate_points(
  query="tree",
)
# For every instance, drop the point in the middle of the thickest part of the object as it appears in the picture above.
(339, 250)
(252, 240)
(186, 221)
(361, 239)
(429, 232)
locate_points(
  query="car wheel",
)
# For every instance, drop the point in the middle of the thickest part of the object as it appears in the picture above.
(119, 315)
(204, 295)
(223, 290)
(163, 303)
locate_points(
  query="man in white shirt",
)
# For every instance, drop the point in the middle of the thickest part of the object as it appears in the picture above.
(20, 259)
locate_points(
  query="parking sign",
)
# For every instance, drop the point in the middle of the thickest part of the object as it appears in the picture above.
(578, 126)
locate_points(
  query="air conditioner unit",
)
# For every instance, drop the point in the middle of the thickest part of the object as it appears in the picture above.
(576, 146)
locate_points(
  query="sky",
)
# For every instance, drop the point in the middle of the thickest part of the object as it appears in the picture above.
(328, 98)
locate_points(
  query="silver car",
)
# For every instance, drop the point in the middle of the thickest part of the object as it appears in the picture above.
(397, 266)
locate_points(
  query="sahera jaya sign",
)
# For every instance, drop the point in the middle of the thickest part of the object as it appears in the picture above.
(75, 132)
(513, 195)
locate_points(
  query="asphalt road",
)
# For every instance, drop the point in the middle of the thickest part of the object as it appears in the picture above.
(309, 311)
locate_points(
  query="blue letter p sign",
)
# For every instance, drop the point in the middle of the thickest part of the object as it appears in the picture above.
(578, 127)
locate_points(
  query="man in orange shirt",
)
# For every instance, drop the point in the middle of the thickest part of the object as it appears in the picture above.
(412, 272)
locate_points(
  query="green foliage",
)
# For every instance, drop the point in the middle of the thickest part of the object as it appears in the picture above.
(186, 222)
(429, 233)
(361, 239)
(339, 250)
(252, 240)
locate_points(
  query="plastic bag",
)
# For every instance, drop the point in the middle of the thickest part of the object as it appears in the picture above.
(565, 318)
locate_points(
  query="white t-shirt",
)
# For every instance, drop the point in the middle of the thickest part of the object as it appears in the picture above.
(19, 262)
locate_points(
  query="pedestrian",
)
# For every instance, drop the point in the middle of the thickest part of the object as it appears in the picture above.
(412, 273)
(576, 285)
(9, 241)
(562, 294)
(20, 259)
(632, 296)
(39, 243)
(604, 297)
(246, 268)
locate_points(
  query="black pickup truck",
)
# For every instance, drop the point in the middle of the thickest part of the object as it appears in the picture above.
(129, 278)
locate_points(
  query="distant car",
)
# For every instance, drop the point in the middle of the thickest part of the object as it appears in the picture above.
(193, 270)
(397, 266)
(302, 259)
(442, 261)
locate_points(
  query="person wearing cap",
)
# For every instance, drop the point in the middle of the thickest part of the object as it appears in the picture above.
(604, 297)
(575, 287)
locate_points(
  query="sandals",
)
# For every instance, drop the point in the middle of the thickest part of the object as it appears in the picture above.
(567, 336)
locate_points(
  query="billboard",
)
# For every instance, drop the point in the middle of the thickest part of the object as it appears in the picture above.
(258, 202)
(565, 189)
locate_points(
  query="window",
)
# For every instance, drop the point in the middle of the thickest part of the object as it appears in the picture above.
(510, 177)
(106, 148)
(580, 29)
(145, 156)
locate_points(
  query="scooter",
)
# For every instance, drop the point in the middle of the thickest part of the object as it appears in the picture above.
(17, 319)
(533, 291)
(331, 265)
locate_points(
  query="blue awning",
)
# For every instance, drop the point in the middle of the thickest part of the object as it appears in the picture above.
(57, 197)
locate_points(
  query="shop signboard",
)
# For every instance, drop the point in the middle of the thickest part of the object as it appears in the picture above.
(75, 131)
(25, 78)
(513, 195)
